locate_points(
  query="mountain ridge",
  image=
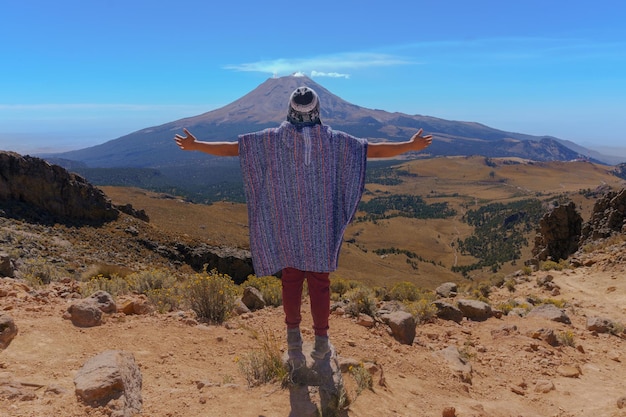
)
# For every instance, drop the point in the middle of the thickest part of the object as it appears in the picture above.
(266, 106)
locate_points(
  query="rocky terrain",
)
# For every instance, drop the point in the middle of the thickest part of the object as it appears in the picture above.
(541, 342)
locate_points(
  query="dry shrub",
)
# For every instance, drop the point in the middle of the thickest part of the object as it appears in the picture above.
(361, 301)
(263, 365)
(340, 286)
(407, 291)
(160, 286)
(423, 310)
(211, 296)
(507, 306)
(113, 284)
(556, 266)
(106, 271)
(566, 338)
(362, 377)
(38, 271)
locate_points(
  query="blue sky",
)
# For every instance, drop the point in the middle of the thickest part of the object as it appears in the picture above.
(79, 73)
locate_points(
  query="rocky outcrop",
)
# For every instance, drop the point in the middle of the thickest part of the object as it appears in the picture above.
(236, 263)
(558, 233)
(31, 187)
(607, 218)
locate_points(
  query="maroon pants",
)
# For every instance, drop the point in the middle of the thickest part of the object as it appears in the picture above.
(319, 293)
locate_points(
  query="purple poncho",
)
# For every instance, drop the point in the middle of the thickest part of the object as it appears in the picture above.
(303, 186)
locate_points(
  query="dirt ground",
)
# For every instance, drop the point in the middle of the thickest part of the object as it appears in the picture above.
(191, 370)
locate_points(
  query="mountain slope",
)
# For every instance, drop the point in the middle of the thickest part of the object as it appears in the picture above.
(266, 106)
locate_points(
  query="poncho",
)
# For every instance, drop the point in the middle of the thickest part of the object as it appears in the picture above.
(303, 186)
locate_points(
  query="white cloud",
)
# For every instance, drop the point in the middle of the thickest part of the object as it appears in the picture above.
(322, 66)
(329, 74)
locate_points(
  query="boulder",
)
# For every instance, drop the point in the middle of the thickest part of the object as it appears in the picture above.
(7, 265)
(252, 298)
(461, 367)
(447, 290)
(8, 330)
(111, 379)
(402, 325)
(547, 335)
(447, 311)
(474, 309)
(137, 304)
(88, 312)
(84, 314)
(104, 301)
(324, 374)
(599, 325)
(550, 312)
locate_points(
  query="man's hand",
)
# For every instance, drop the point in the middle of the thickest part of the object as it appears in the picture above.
(187, 142)
(419, 142)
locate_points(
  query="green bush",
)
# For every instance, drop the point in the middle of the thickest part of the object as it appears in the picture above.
(211, 296)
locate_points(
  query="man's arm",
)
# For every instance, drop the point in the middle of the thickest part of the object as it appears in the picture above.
(190, 143)
(389, 149)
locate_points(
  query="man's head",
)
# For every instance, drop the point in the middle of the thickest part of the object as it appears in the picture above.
(304, 107)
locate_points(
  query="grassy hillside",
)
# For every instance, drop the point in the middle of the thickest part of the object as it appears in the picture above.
(424, 239)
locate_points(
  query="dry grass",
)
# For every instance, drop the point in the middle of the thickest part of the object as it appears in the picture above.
(219, 224)
(462, 182)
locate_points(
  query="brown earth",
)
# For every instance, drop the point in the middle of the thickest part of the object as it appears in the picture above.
(191, 370)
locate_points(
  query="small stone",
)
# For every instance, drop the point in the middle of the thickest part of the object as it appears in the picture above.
(518, 390)
(365, 321)
(448, 412)
(568, 371)
(544, 386)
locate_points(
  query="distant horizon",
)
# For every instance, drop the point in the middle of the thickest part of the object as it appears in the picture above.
(66, 143)
(86, 73)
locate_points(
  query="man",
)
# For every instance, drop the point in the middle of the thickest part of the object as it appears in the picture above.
(303, 182)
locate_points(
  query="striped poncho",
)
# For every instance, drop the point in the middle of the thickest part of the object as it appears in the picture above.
(303, 186)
